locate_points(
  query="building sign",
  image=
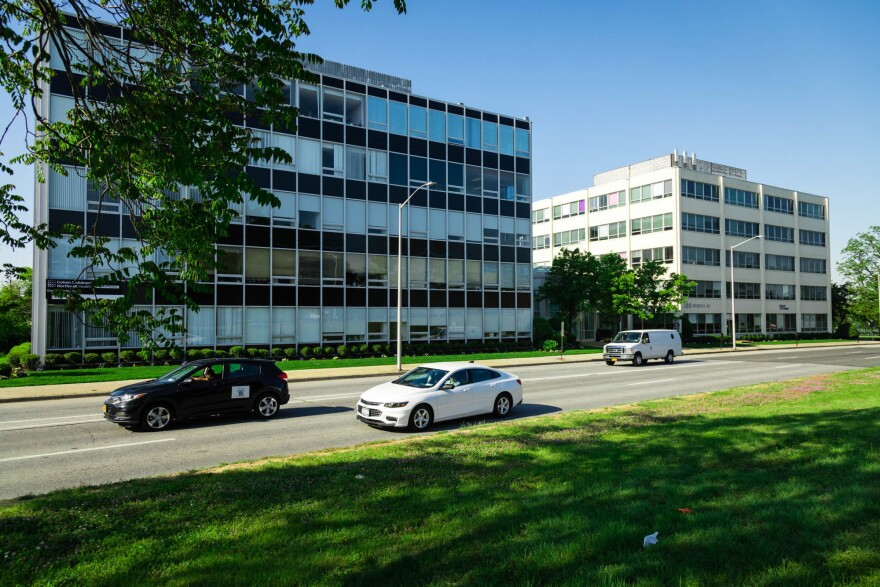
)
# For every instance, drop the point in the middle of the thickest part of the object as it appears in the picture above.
(110, 290)
(783, 307)
(696, 306)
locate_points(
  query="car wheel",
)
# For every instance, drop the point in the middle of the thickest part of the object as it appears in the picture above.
(421, 418)
(156, 417)
(670, 356)
(503, 404)
(609, 363)
(638, 361)
(267, 406)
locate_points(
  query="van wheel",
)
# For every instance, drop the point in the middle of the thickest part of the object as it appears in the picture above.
(670, 356)
(638, 361)
(609, 363)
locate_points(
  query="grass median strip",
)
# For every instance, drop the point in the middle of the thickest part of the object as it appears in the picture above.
(773, 483)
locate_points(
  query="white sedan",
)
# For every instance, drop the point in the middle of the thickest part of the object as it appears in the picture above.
(440, 391)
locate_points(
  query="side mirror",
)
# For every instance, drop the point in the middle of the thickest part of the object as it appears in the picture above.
(187, 380)
(448, 385)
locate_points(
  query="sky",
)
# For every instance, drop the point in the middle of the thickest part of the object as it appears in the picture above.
(788, 90)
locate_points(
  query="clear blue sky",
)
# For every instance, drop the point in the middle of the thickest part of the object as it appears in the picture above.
(788, 90)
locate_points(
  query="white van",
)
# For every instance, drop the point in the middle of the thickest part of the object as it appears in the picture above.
(639, 346)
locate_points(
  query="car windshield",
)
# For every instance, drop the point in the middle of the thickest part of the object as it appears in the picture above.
(422, 377)
(178, 373)
(627, 337)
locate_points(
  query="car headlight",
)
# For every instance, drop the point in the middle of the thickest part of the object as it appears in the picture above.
(121, 399)
(395, 404)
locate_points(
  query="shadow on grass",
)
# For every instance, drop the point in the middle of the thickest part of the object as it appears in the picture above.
(786, 498)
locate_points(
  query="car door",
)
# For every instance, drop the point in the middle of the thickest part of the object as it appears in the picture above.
(200, 394)
(484, 390)
(242, 381)
(454, 401)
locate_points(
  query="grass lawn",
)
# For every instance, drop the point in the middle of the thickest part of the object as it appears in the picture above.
(89, 375)
(767, 484)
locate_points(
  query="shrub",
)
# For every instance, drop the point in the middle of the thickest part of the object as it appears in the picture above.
(176, 354)
(52, 359)
(92, 358)
(15, 353)
(277, 352)
(329, 351)
(128, 356)
(72, 358)
(109, 357)
(550, 345)
(252, 352)
(290, 353)
(237, 352)
(193, 354)
(143, 355)
(261, 353)
(207, 353)
(5, 370)
(161, 355)
(305, 352)
(30, 361)
(221, 354)
(341, 351)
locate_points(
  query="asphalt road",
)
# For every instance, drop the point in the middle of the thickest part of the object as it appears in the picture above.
(53, 444)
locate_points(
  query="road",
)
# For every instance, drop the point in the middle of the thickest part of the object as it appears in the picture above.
(53, 444)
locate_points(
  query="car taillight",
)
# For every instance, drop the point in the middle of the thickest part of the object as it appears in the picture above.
(282, 375)
(519, 381)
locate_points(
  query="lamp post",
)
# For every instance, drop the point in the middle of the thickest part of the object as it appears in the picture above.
(400, 268)
(733, 291)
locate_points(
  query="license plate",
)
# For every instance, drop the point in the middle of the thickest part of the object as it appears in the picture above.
(105, 408)
(360, 409)
(613, 360)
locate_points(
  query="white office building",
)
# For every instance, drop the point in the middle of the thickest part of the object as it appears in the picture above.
(688, 213)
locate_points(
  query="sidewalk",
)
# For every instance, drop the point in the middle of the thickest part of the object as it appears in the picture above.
(102, 388)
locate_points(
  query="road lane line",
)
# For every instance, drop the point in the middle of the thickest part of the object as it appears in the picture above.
(854, 353)
(649, 382)
(76, 450)
(50, 425)
(53, 418)
(787, 366)
(877, 357)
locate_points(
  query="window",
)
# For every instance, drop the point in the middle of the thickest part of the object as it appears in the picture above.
(418, 171)
(437, 174)
(418, 122)
(808, 210)
(333, 268)
(809, 265)
(455, 225)
(575, 208)
(474, 227)
(523, 147)
(490, 229)
(354, 109)
(707, 289)
(541, 241)
(473, 140)
(231, 261)
(455, 129)
(490, 183)
(355, 324)
(334, 105)
(777, 204)
(355, 163)
(779, 263)
(355, 269)
(474, 274)
(649, 224)
(811, 237)
(743, 259)
(308, 101)
(506, 185)
(331, 159)
(740, 228)
(522, 232)
(508, 233)
(699, 190)
(377, 324)
(506, 139)
(748, 322)
(286, 143)
(333, 215)
(782, 234)
(283, 266)
(490, 136)
(308, 325)
(607, 201)
(309, 156)
(398, 169)
(257, 265)
(397, 114)
(814, 322)
(473, 181)
(700, 256)
(654, 191)
(607, 231)
(456, 178)
(523, 188)
(377, 109)
(333, 324)
(740, 198)
(699, 223)
(378, 166)
(573, 237)
(309, 212)
(814, 293)
(663, 254)
(779, 291)
(437, 323)
(283, 324)
(377, 218)
(437, 273)
(539, 216)
(456, 274)
(780, 322)
(437, 126)
(356, 216)
(377, 270)
(418, 272)
(705, 323)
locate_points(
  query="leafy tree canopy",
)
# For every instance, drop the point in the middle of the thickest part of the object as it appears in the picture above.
(645, 293)
(156, 112)
(15, 307)
(861, 267)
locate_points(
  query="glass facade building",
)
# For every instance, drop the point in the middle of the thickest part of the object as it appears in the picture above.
(322, 267)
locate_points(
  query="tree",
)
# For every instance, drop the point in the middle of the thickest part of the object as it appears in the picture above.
(609, 270)
(841, 315)
(570, 283)
(15, 307)
(861, 267)
(644, 292)
(156, 111)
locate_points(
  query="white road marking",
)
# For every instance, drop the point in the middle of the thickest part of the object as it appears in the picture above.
(853, 353)
(876, 357)
(50, 425)
(312, 399)
(53, 418)
(649, 382)
(787, 366)
(77, 450)
(624, 371)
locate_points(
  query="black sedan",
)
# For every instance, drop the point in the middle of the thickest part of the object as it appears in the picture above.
(200, 388)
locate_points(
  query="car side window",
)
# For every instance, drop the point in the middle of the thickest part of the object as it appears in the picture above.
(237, 370)
(646, 338)
(478, 375)
(459, 378)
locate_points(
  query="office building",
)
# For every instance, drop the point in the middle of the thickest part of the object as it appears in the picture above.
(322, 268)
(687, 213)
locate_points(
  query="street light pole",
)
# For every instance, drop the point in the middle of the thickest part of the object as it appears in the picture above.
(400, 269)
(733, 291)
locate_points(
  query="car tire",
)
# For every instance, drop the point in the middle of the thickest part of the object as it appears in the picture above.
(638, 361)
(267, 406)
(503, 405)
(156, 417)
(609, 363)
(421, 418)
(670, 357)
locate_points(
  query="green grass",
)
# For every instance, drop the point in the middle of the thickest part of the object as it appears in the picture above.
(3, 358)
(89, 375)
(778, 482)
